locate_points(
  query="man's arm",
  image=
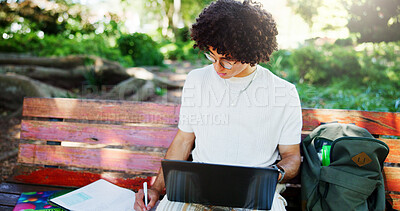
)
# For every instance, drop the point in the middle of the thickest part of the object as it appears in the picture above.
(179, 149)
(290, 155)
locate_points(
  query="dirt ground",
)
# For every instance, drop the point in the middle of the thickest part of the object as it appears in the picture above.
(10, 128)
(9, 139)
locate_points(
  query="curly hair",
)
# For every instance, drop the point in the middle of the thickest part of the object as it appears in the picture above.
(244, 31)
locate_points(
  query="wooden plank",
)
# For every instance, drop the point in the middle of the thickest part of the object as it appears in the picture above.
(8, 199)
(6, 208)
(103, 110)
(98, 133)
(392, 178)
(379, 123)
(108, 159)
(70, 178)
(394, 200)
(16, 188)
(394, 150)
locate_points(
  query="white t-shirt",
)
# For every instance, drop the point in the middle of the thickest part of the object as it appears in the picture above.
(240, 129)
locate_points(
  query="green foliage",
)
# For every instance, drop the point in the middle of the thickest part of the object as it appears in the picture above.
(142, 49)
(92, 78)
(337, 77)
(319, 65)
(344, 42)
(58, 45)
(307, 9)
(160, 91)
(280, 65)
(343, 63)
(180, 51)
(381, 63)
(191, 9)
(310, 64)
(188, 11)
(182, 35)
(70, 95)
(370, 20)
(338, 95)
(374, 20)
(50, 17)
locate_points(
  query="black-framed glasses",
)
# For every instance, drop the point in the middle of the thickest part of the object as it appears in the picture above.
(224, 63)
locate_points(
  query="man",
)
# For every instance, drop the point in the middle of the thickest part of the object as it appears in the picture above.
(234, 112)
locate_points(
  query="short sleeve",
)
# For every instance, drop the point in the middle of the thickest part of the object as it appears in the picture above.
(291, 131)
(187, 105)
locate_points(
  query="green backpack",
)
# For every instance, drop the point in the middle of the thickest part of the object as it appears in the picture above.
(353, 180)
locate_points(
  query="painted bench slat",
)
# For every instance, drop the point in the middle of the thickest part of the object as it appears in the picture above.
(392, 178)
(18, 188)
(394, 150)
(106, 123)
(125, 135)
(378, 123)
(102, 110)
(8, 199)
(75, 178)
(122, 135)
(6, 208)
(394, 200)
(103, 158)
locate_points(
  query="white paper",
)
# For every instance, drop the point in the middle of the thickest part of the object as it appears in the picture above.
(99, 195)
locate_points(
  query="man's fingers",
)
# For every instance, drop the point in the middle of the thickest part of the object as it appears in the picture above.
(139, 199)
(152, 202)
(136, 207)
(153, 198)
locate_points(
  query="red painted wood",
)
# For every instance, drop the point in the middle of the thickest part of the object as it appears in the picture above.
(110, 159)
(69, 178)
(394, 150)
(104, 110)
(394, 200)
(392, 178)
(379, 123)
(98, 133)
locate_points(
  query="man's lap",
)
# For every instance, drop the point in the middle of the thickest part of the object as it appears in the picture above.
(278, 204)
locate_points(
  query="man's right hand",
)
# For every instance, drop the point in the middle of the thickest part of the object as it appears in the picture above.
(153, 197)
(179, 149)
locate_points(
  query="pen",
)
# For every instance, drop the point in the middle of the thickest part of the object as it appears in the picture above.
(145, 193)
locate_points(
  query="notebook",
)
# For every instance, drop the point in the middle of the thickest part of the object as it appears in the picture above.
(220, 185)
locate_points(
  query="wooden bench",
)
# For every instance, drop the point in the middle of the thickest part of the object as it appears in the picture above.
(73, 142)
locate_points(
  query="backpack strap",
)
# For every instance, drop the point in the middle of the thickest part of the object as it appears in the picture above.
(347, 180)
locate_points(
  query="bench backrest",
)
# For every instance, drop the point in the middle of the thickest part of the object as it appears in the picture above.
(73, 142)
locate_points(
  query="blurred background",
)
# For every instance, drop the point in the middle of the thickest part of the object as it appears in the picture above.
(341, 54)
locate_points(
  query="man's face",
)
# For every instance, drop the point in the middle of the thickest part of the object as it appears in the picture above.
(238, 69)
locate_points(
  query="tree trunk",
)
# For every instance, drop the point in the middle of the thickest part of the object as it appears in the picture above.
(58, 62)
(53, 70)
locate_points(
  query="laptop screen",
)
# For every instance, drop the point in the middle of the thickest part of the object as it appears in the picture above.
(220, 185)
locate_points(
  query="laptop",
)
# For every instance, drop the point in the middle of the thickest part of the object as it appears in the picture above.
(220, 185)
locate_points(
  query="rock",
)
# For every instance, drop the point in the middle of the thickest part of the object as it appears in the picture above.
(142, 73)
(133, 89)
(13, 89)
